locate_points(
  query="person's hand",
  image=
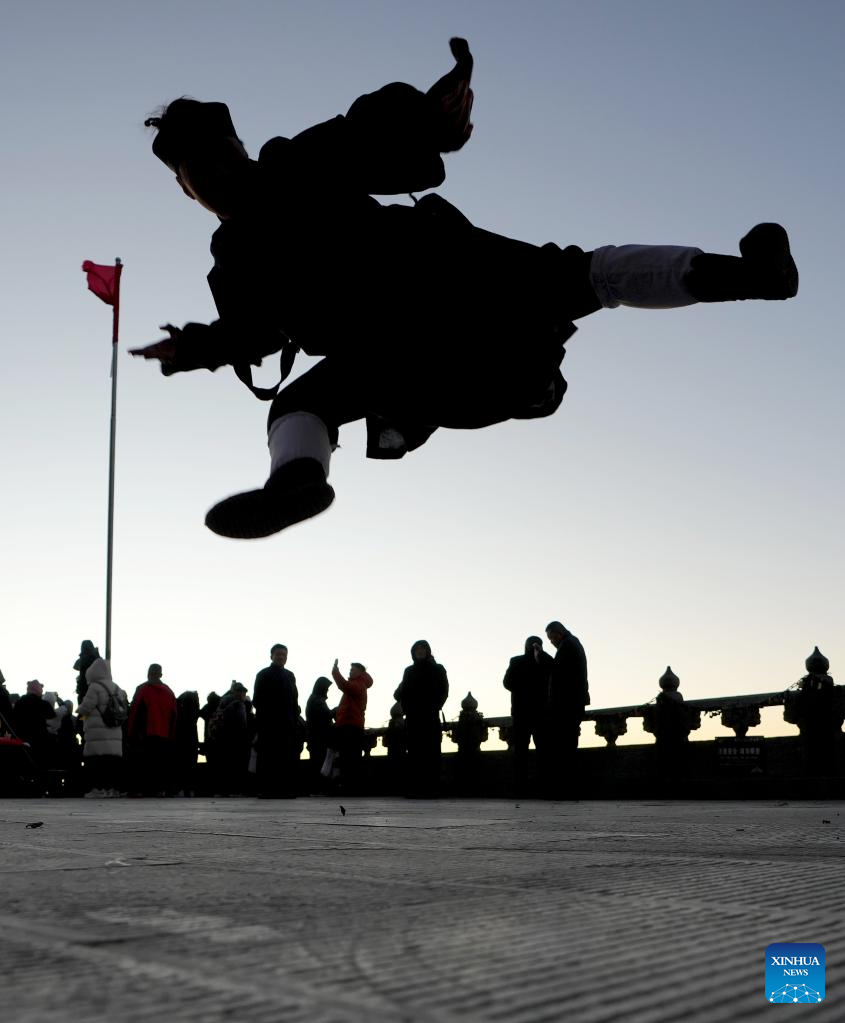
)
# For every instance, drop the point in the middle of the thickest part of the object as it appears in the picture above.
(454, 97)
(164, 350)
(335, 663)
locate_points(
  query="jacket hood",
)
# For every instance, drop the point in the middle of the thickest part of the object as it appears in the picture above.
(421, 642)
(99, 671)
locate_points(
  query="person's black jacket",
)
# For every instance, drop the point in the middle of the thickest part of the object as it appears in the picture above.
(569, 690)
(319, 716)
(527, 679)
(6, 713)
(88, 653)
(187, 719)
(423, 690)
(235, 720)
(31, 714)
(276, 699)
(313, 261)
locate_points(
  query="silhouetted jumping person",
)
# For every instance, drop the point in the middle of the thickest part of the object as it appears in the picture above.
(422, 319)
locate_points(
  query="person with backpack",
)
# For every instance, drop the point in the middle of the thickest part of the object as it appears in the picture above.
(104, 711)
(151, 733)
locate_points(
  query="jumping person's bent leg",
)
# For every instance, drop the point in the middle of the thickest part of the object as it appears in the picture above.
(670, 276)
(302, 431)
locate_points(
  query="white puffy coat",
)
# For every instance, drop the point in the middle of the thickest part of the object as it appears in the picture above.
(100, 740)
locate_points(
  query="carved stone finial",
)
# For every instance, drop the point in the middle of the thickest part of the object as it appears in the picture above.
(817, 663)
(669, 680)
(469, 702)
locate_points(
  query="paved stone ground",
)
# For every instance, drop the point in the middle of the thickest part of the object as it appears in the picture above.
(247, 910)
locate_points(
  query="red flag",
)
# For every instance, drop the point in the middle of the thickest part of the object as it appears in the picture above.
(102, 280)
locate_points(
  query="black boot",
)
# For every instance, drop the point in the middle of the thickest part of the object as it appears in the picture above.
(766, 269)
(295, 491)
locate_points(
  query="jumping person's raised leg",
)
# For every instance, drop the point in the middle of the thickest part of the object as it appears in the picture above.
(301, 434)
(669, 276)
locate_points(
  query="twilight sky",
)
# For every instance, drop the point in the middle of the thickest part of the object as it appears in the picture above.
(685, 504)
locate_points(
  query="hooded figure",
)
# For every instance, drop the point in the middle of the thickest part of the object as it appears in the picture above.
(422, 693)
(353, 703)
(527, 680)
(103, 749)
(569, 695)
(348, 737)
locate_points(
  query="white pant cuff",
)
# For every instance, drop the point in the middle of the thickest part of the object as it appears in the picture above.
(298, 435)
(643, 276)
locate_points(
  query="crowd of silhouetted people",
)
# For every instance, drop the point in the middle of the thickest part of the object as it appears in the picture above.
(159, 744)
(152, 743)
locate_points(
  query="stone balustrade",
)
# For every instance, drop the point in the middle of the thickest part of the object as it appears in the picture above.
(738, 713)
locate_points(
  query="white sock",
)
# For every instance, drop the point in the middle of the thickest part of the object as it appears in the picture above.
(298, 435)
(643, 276)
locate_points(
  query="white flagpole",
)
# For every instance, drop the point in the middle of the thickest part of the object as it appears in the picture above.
(118, 266)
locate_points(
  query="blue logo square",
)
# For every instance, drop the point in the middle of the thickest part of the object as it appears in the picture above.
(795, 972)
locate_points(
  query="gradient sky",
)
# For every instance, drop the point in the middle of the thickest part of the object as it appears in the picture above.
(685, 504)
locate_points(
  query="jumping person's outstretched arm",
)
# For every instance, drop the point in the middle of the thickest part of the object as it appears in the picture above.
(210, 346)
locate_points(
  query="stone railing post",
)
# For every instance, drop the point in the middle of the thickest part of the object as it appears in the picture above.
(468, 733)
(740, 719)
(670, 721)
(817, 706)
(610, 726)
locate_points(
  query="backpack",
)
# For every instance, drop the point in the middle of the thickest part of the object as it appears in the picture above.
(116, 711)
